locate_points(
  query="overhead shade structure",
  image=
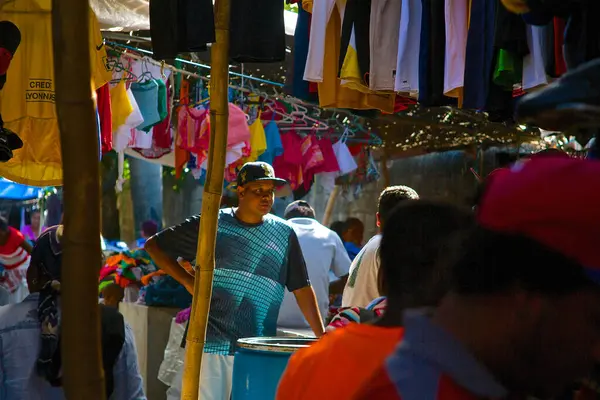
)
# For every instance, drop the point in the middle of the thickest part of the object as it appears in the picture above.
(10, 190)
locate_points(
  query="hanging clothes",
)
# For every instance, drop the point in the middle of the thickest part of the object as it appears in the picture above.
(146, 96)
(257, 31)
(258, 140)
(122, 136)
(180, 26)
(120, 106)
(274, 145)
(457, 29)
(105, 117)
(385, 21)
(295, 83)
(409, 39)
(480, 53)
(288, 166)
(354, 60)
(27, 101)
(432, 54)
(322, 63)
(534, 72)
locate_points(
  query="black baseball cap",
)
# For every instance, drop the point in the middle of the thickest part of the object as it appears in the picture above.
(261, 171)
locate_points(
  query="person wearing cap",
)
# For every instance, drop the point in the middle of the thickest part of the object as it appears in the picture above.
(257, 256)
(30, 344)
(523, 314)
(324, 253)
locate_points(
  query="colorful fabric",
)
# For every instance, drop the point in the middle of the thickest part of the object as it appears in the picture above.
(12, 255)
(347, 315)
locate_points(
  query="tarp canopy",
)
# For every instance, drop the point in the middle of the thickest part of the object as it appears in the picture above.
(15, 191)
(133, 15)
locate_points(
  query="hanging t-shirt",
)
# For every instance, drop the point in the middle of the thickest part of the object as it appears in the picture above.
(258, 140)
(122, 136)
(534, 72)
(457, 29)
(312, 159)
(105, 116)
(120, 105)
(288, 166)
(27, 101)
(480, 53)
(409, 39)
(257, 31)
(327, 17)
(385, 21)
(180, 26)
(274, 145)
(146, 96)
(188, 128)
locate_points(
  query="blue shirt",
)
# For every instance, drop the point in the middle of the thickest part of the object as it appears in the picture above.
(352, 250)
(253, 264)
(20, 347)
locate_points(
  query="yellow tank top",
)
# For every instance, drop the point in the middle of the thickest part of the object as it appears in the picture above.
(27, 102)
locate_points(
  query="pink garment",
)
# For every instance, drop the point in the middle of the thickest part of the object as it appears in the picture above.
(238, 129)
(189, 121)
(288, 166)
(330, 163)
(28, 232)
(312, 158)
(238, 132)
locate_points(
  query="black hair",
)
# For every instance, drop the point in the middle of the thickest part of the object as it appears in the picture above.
(390, 197)
(415, 237)
(3, 224)
(337, 227)
(352, 223)
(493, 262)
(300, 211)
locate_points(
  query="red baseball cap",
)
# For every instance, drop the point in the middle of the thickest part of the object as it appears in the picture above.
(554, 200)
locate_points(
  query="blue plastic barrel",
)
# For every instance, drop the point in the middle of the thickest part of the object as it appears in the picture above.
(259, 364)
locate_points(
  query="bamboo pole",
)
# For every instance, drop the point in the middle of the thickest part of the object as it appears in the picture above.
(330, 204)
(211, 200)
(80, 328)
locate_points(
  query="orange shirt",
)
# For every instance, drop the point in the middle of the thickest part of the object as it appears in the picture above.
(338, 364)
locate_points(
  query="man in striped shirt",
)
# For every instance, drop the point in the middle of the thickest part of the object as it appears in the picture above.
(523, 317)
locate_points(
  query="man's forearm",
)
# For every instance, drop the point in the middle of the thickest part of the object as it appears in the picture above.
(307, 301)
(170, 266)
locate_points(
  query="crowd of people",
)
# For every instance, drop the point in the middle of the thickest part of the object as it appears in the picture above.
(497, 301)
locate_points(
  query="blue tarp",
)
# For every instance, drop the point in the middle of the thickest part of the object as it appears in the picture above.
(15, 191)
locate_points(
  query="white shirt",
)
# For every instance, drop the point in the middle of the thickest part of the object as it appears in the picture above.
(409, 41)
(323, 252)
(362, 287)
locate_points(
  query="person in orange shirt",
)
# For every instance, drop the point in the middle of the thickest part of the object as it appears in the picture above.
(414, 238)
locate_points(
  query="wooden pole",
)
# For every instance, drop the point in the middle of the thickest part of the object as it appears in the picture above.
(80, 327)
(330, 204)
(211, 200)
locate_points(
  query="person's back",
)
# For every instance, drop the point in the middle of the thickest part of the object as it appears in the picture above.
(30, 343)
(362, 285)
(20, 346)
(415, 237)
(323, 252)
